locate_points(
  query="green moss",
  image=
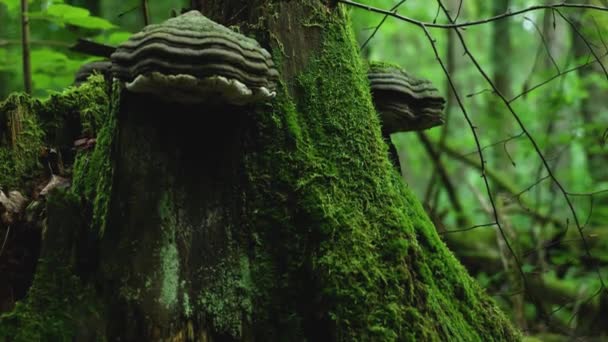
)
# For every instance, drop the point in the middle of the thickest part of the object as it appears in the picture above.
(58, 306)
(187, 305)
(21, 140)
(52, 309)
(359, 234)
(170, 275)
(86, 104)
(27, 125)
(227, 301)
(93, 171)
(169, 255)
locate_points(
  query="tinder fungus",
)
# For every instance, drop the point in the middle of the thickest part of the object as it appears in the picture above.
(404, 102)
(191, 59)
(88, 69)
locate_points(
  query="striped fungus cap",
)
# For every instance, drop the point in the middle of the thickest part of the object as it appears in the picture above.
(88, 69)
(191, 59)
(404, 102)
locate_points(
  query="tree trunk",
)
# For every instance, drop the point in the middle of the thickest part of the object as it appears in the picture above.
(281, 222)
(594, 109)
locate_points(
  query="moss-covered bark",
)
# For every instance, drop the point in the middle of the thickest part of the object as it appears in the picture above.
(281, 222)
(60, 305)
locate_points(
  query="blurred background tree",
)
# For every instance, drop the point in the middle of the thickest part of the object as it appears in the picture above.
(544, 62)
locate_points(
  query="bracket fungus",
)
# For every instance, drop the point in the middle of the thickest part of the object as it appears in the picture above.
(88, 69)
(404, 102)
(191, 59)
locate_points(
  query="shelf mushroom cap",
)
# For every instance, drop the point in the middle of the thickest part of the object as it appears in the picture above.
(191, 59)
(404, 102)
(88, 69)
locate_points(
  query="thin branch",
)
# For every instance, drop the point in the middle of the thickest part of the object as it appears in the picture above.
(544, 41)
(458, 12)
(595, 193)
(581, 36)
(599, 33)
(532, 186)
(394, 9)
(145, 12)
(503, 185)
(504, 141)
(25, 48)
(557, 76)
(119, 15)
(467, 229)
(470, 23)
(7, 42)
(445, 179)
(479, 92)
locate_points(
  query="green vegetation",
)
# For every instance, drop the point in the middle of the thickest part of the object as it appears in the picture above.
(21, 141)
(92, 171)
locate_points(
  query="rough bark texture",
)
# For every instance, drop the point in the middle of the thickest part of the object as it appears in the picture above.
(281, 222)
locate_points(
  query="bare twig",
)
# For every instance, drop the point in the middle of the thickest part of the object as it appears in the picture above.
(459, 9)
(581, 36)
(393, 9)
(504, 141)
(544, 41)
(131, 9)
(556, 76)
(502, 185)
(471, 23)
(600, 192)
(467, 229)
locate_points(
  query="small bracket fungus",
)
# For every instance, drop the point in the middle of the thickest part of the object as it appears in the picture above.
(88, 69)
(404, 102)
(191, 59)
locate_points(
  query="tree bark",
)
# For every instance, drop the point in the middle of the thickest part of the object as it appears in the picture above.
(281, 222)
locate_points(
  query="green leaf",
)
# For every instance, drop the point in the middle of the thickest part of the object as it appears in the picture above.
(11, 5)
(42, 81)
(91, 23)
(67, 11)
(118, 37)
(63, 14)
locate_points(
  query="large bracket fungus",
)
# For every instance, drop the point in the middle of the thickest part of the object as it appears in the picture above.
(404, 102)
(191, 59)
